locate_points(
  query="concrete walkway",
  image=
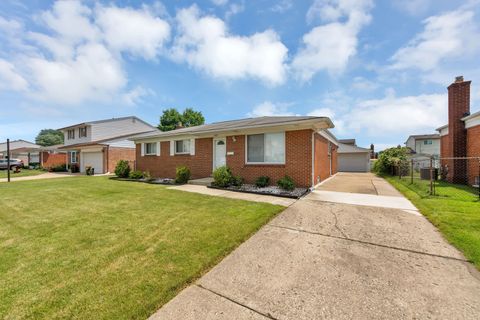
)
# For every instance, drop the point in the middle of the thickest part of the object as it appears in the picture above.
(50, 175)
(320, 260)
(234, 195)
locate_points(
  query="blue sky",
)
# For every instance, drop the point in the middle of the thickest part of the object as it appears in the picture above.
(379, 69)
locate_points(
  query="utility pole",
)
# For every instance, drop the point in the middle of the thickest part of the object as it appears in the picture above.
(8, 160)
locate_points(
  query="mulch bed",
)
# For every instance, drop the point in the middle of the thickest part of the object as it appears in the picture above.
(269, 191)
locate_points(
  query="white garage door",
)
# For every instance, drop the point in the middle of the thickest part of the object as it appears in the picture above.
(92, 159)
(353, 162)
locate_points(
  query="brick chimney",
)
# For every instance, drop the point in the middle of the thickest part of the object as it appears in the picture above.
(458, 107)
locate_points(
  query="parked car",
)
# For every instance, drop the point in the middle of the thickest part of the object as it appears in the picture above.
(14, 163)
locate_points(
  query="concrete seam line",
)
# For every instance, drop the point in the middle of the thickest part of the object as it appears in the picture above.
(372, 243)
(374, 187)
(266, 315)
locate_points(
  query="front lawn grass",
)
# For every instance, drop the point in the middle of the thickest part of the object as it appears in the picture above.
(96, 248)
(22, 173)
(454, 210)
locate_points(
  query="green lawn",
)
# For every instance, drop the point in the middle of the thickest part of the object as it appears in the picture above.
(96, 248)
(22, 173)
(455, 210)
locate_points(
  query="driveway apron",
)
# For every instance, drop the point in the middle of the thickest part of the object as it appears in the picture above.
(335, 260)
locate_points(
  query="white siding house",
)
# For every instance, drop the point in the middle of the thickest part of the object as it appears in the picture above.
(426, 144)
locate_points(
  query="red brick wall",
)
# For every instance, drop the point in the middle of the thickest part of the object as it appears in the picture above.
(116, 154)
(50, 160)
(473, 150)
(164, 166)
(322, 159)
(298, 156)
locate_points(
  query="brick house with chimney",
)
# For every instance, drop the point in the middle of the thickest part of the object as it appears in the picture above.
(300, 147)
(460, 138)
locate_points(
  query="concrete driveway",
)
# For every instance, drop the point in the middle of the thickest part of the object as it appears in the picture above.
(325, 259)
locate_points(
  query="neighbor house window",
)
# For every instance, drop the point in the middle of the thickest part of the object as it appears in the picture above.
(266, 148)
(182, 146)
(427, 142)
(71, 134)
(82, 132)
(73, 157)
(151, 148)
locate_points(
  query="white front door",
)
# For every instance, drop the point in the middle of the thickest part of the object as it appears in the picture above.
(219, 153)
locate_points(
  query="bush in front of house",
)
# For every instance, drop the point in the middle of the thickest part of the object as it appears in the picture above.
(222, 177)
(262, 181)
(137, 174)
(122, 169)
(391, 158)
(286, 183)
(59, 168)
(182, 174)
(236, 181)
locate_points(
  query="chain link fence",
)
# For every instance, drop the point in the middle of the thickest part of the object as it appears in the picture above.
(442, 177)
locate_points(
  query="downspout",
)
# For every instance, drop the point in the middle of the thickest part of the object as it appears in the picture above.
(313, 160)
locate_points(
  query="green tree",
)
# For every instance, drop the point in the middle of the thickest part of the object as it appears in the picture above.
(171, 119)
(49, 137)
(392, 157)
(191, 118)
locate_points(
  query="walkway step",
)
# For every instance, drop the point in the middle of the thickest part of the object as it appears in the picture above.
(201, 182)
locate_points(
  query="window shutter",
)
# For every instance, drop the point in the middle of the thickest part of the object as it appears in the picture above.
(158, 148)
(172, 147)
(142, 149)
(192, 147)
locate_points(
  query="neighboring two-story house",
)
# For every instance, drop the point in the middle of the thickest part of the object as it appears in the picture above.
(424, 144)
(100, 144)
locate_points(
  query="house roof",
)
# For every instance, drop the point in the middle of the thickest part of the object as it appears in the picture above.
(241, 124)
(425, 136)
(347, 141)
(106, 120)
(103, 142)
(348, 148)
(473, 115)
(18, 144)
(442, 127)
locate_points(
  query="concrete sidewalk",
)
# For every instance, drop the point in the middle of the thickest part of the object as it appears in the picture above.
(235, 195)
(51, 175)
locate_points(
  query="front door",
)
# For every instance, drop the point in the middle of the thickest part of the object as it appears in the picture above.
(219, 153)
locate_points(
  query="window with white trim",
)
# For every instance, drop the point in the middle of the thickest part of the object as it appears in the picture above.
(182, 146)
(426, 142)
(71, 134)
(82, 132)
(150, 148)
(73, 157)
(266, 148)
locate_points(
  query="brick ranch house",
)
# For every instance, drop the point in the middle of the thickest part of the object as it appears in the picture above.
(101, 144)
(461, 136)
(300, 147)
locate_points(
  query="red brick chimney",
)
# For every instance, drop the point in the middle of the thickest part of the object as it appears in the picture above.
(458, 107)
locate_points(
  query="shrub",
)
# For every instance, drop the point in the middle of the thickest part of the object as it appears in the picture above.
(146, 175)
(122, 170)
(286, 183)
(137, 174)
(236, 181)
(390, 158)
(222, 177)
(59, 168)
(182, 175)
(262, 181)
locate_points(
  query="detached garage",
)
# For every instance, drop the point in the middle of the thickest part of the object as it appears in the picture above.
(352, 158)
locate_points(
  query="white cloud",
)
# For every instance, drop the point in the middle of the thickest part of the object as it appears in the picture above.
(78, 56)
(9, 77)
(413, 7)
(362, 84)
(329, 47)
(444, 37)
(205, 44)
(234, 9)
(219, 2)
(322, 112)
(135, 31)
(282, 6)
(135, 95)
(395, 115)
(269, 108)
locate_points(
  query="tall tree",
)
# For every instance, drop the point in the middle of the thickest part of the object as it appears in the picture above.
(49, 137)
(171, 119)
(191, 118)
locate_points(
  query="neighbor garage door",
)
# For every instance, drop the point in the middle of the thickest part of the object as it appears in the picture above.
(92, 159)
(353, 162)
